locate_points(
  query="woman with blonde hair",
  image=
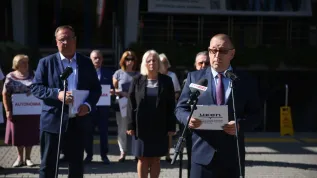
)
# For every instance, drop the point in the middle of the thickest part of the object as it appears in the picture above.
(121, 82)
(22, 131)
(150, 115)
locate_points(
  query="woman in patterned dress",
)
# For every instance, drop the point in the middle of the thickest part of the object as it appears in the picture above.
(22, 131)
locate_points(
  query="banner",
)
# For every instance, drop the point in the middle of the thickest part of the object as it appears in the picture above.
(233, 7)
(104, 99)
(23, 104)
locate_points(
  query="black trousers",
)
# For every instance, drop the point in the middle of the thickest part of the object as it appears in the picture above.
(73, 149)
(100, 118)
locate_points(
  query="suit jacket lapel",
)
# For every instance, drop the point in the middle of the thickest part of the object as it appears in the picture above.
(59, 69)
(209, 77)
(160, 89)
(142, 86)
(78, 65)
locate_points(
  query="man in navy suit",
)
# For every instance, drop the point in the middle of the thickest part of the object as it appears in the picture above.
(48, 87)
(99, 116)
(214, 153)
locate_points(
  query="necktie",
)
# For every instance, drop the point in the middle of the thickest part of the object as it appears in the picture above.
(220, 91)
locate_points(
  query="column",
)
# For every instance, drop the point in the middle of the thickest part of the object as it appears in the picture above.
(19, 21)
(131, 22)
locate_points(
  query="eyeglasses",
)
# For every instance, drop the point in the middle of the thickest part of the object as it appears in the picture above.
(204, 62)
(63, 40)
(220, 51)
(129, 59)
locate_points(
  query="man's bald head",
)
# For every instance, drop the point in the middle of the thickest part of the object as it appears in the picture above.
(221, 52)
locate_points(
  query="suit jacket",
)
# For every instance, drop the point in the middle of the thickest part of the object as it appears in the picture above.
(165, 104)
(248, 109)
(47, 83)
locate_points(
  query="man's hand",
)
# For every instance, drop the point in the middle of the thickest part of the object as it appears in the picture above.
(130, 132)
(230, 128)
(194, 123)
(69, 97)
(83, 110)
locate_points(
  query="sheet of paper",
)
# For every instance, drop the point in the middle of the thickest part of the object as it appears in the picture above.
(104, 99)
(23, 104)
(79, 98)
(123, 103)
(1, 113)
(213, 117)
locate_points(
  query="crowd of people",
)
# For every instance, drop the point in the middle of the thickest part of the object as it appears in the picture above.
(156, 104)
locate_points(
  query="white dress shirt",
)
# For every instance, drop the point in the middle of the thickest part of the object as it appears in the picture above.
(72, 80)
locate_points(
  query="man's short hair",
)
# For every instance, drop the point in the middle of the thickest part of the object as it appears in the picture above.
(65, 27)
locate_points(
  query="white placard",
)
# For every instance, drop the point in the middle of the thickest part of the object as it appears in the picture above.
(79, 98)
(123, 103)
(1, 114)
(213, 117)
(22, 104)
(104, 99)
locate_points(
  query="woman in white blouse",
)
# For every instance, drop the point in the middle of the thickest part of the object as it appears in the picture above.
(164, 70)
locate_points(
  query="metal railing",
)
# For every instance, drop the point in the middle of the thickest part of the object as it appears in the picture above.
(251, 31)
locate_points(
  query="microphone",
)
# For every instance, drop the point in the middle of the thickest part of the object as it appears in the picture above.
(197, 89)
(231, 75)
(68, 70)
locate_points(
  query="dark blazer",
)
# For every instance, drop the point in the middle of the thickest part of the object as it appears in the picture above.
(47, 83)
(106, 77)
(248, 109)
(165, 104)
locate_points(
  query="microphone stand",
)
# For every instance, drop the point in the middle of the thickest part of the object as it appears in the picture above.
(65, 83)
(236, 126)
(180, 143)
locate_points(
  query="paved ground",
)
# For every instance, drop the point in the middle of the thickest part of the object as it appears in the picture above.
(268, 156)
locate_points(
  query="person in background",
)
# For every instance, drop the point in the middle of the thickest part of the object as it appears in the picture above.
(202, 60)
(121, 81)
(21, 130)
(177, 89)
(100, 116)
(150, 115)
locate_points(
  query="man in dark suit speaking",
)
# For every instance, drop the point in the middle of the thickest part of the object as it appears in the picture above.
(214, 152)
(48, 87)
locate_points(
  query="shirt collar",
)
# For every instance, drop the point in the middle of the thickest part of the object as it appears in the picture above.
(63, 57)
(215, 73)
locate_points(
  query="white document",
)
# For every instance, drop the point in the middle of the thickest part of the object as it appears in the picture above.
(123, 103)
(22, 104)
(79, 98)
(1, 113)
(213, 117)
(104, 99)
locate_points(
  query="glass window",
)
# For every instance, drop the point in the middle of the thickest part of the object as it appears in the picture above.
(6, 19)
(91, 19)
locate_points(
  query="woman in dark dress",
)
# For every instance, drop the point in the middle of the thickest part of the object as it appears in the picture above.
(150, 115)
